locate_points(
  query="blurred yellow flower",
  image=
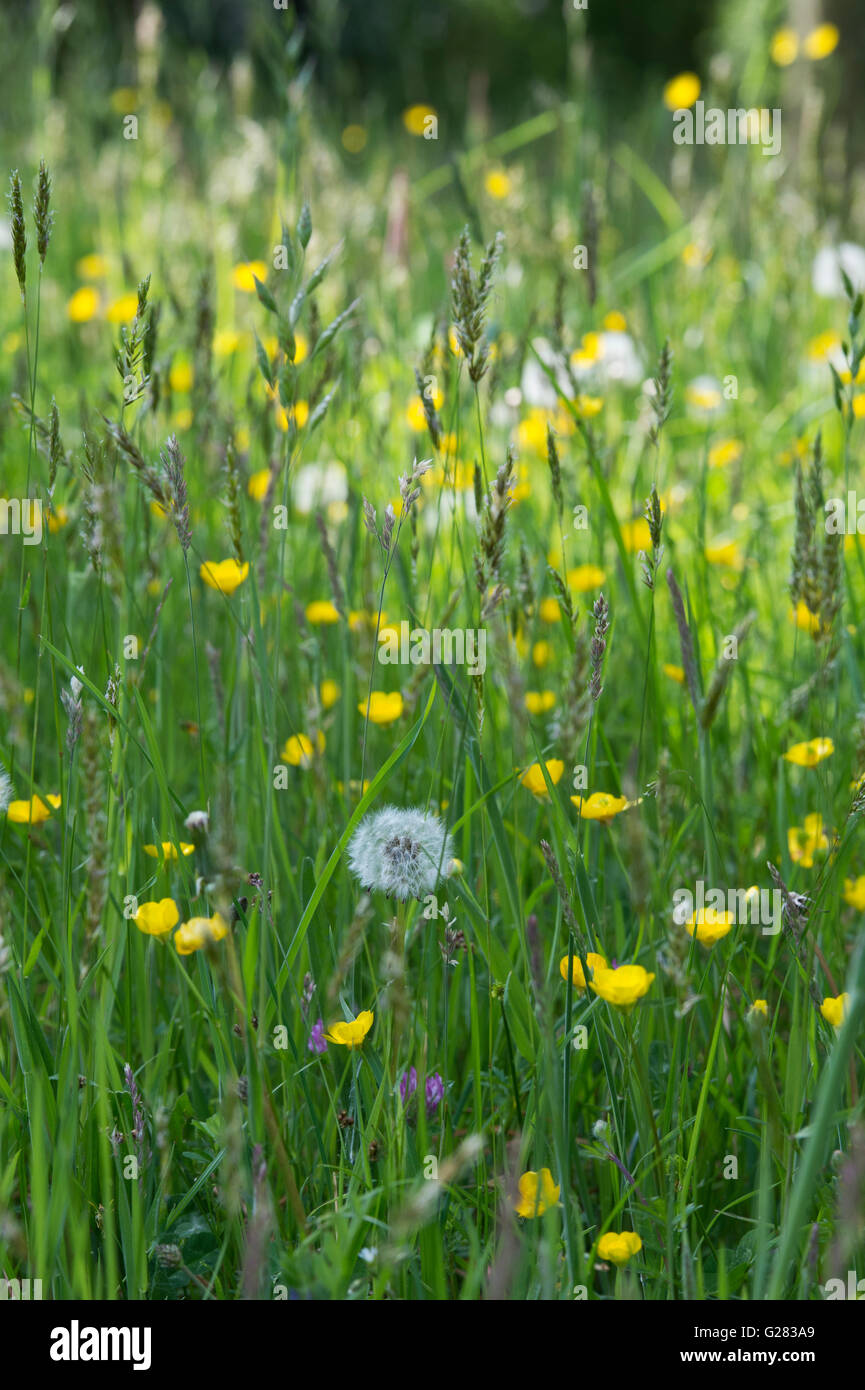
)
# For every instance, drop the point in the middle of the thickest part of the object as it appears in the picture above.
(682, 91)
(540, 701)
(169, 851)
(415, 118)
(724, 452)
(321, 612)
(802, 841)
(821, 42)
(727, 552)
(854, 892)
(32, 812)
(224, 575)
(84, 305)
(92, 267)
(760, 1006)
(549, 610)
(784, 47)
(351, 1033)
(225, 342)
(353, 138)
(709, 925)
(298, 750)
(601, 805)
(258, 484)
(615, 322)
(676, 673)
(329, 692)
(622, 986)
(593, 961)
(497, 183)
(157, 918)
(123, 310)
(811, 753)
(180, 377)
(542, 654)
(804, 619)
(58, 517)
(835, 1010)
(636, 535)
(583, 578)
(245, 274)
(538, 1193)
(618, 1249)
(533, 777)
(199, 932)
(384, 707)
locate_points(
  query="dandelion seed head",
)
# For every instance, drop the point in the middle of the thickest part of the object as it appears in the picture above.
(401, 853)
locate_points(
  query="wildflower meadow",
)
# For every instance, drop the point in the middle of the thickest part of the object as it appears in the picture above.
(432, 725)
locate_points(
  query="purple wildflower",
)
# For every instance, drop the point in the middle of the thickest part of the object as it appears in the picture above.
(408, 1084)
(435, 1090)
(316, 1041)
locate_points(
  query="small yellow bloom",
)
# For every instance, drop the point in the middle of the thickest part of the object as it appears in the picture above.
(225, 342)
(588, 406)
(84, 304)
(622, 986)
(225, 575)
(419, 118)
(258, 484)
(824, 345)
(199, 932)
(246, 273)
(542, 654)
(583, 578)
(726, 553)
(497, 183)
(804, 619)
(92, 267)
(533, 777)
(724, 452)
(702, 396)
(618, 1249)
(615, 322)
(835, 1010)
(180, 377)
(329, 692)
(353, 138)
(811, 753)
(58, 517)
(124, 309)
(854, 892)
(784, 47)
(760, 1006)
(169, 851)
(540, 701)
(32, 812)
(299, 751)
(352, 1033)
(157, 918)
(821, 42)
(682, 91)
(802, 841)
(183, 419)
(549, 610)
(709, 926)
(384, 706)
(696, 255)
(676, 673)
(321, 612)
(361, 619)
(538, 1193)
(636, 535)
(601, 806)
(593, 961)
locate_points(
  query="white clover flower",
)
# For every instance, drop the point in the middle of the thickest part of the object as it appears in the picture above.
(827, 267)
(317, 485)
(7, 791)
(401, 853)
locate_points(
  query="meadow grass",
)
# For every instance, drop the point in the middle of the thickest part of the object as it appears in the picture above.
(169, 1128)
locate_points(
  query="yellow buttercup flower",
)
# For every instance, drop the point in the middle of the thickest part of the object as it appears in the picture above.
(618, 1249)
(760, 1006)
(258, 484)
(329, 692)
(549, 610)
(821, 42)
(622, 986)
(835, 1010)
(181, 377)
(804, 619)
(321, 612)
(352, 1033)
(58, 517)
(854, 892)
(533, 777)
(802, 841)
(384, 706)
(92, 267)
(415, 118)
(811, 753)
(601, 806)
(299, 750)
(636, 535)
(497, 183)
(784, 47)
(724, 452)
(542, 654)
(725, 553)
(199, 932)
(538, 1193)
(169, 851)
(615, 322)
(225, 342)
(593, 961)
(84, 305)
(245, 274)
(124, 309)
(676, 673)
(224, 575)
(540, 701)
(157, 918)
(32, 812)
(682, 91)
(709, 926)
(583, 578)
